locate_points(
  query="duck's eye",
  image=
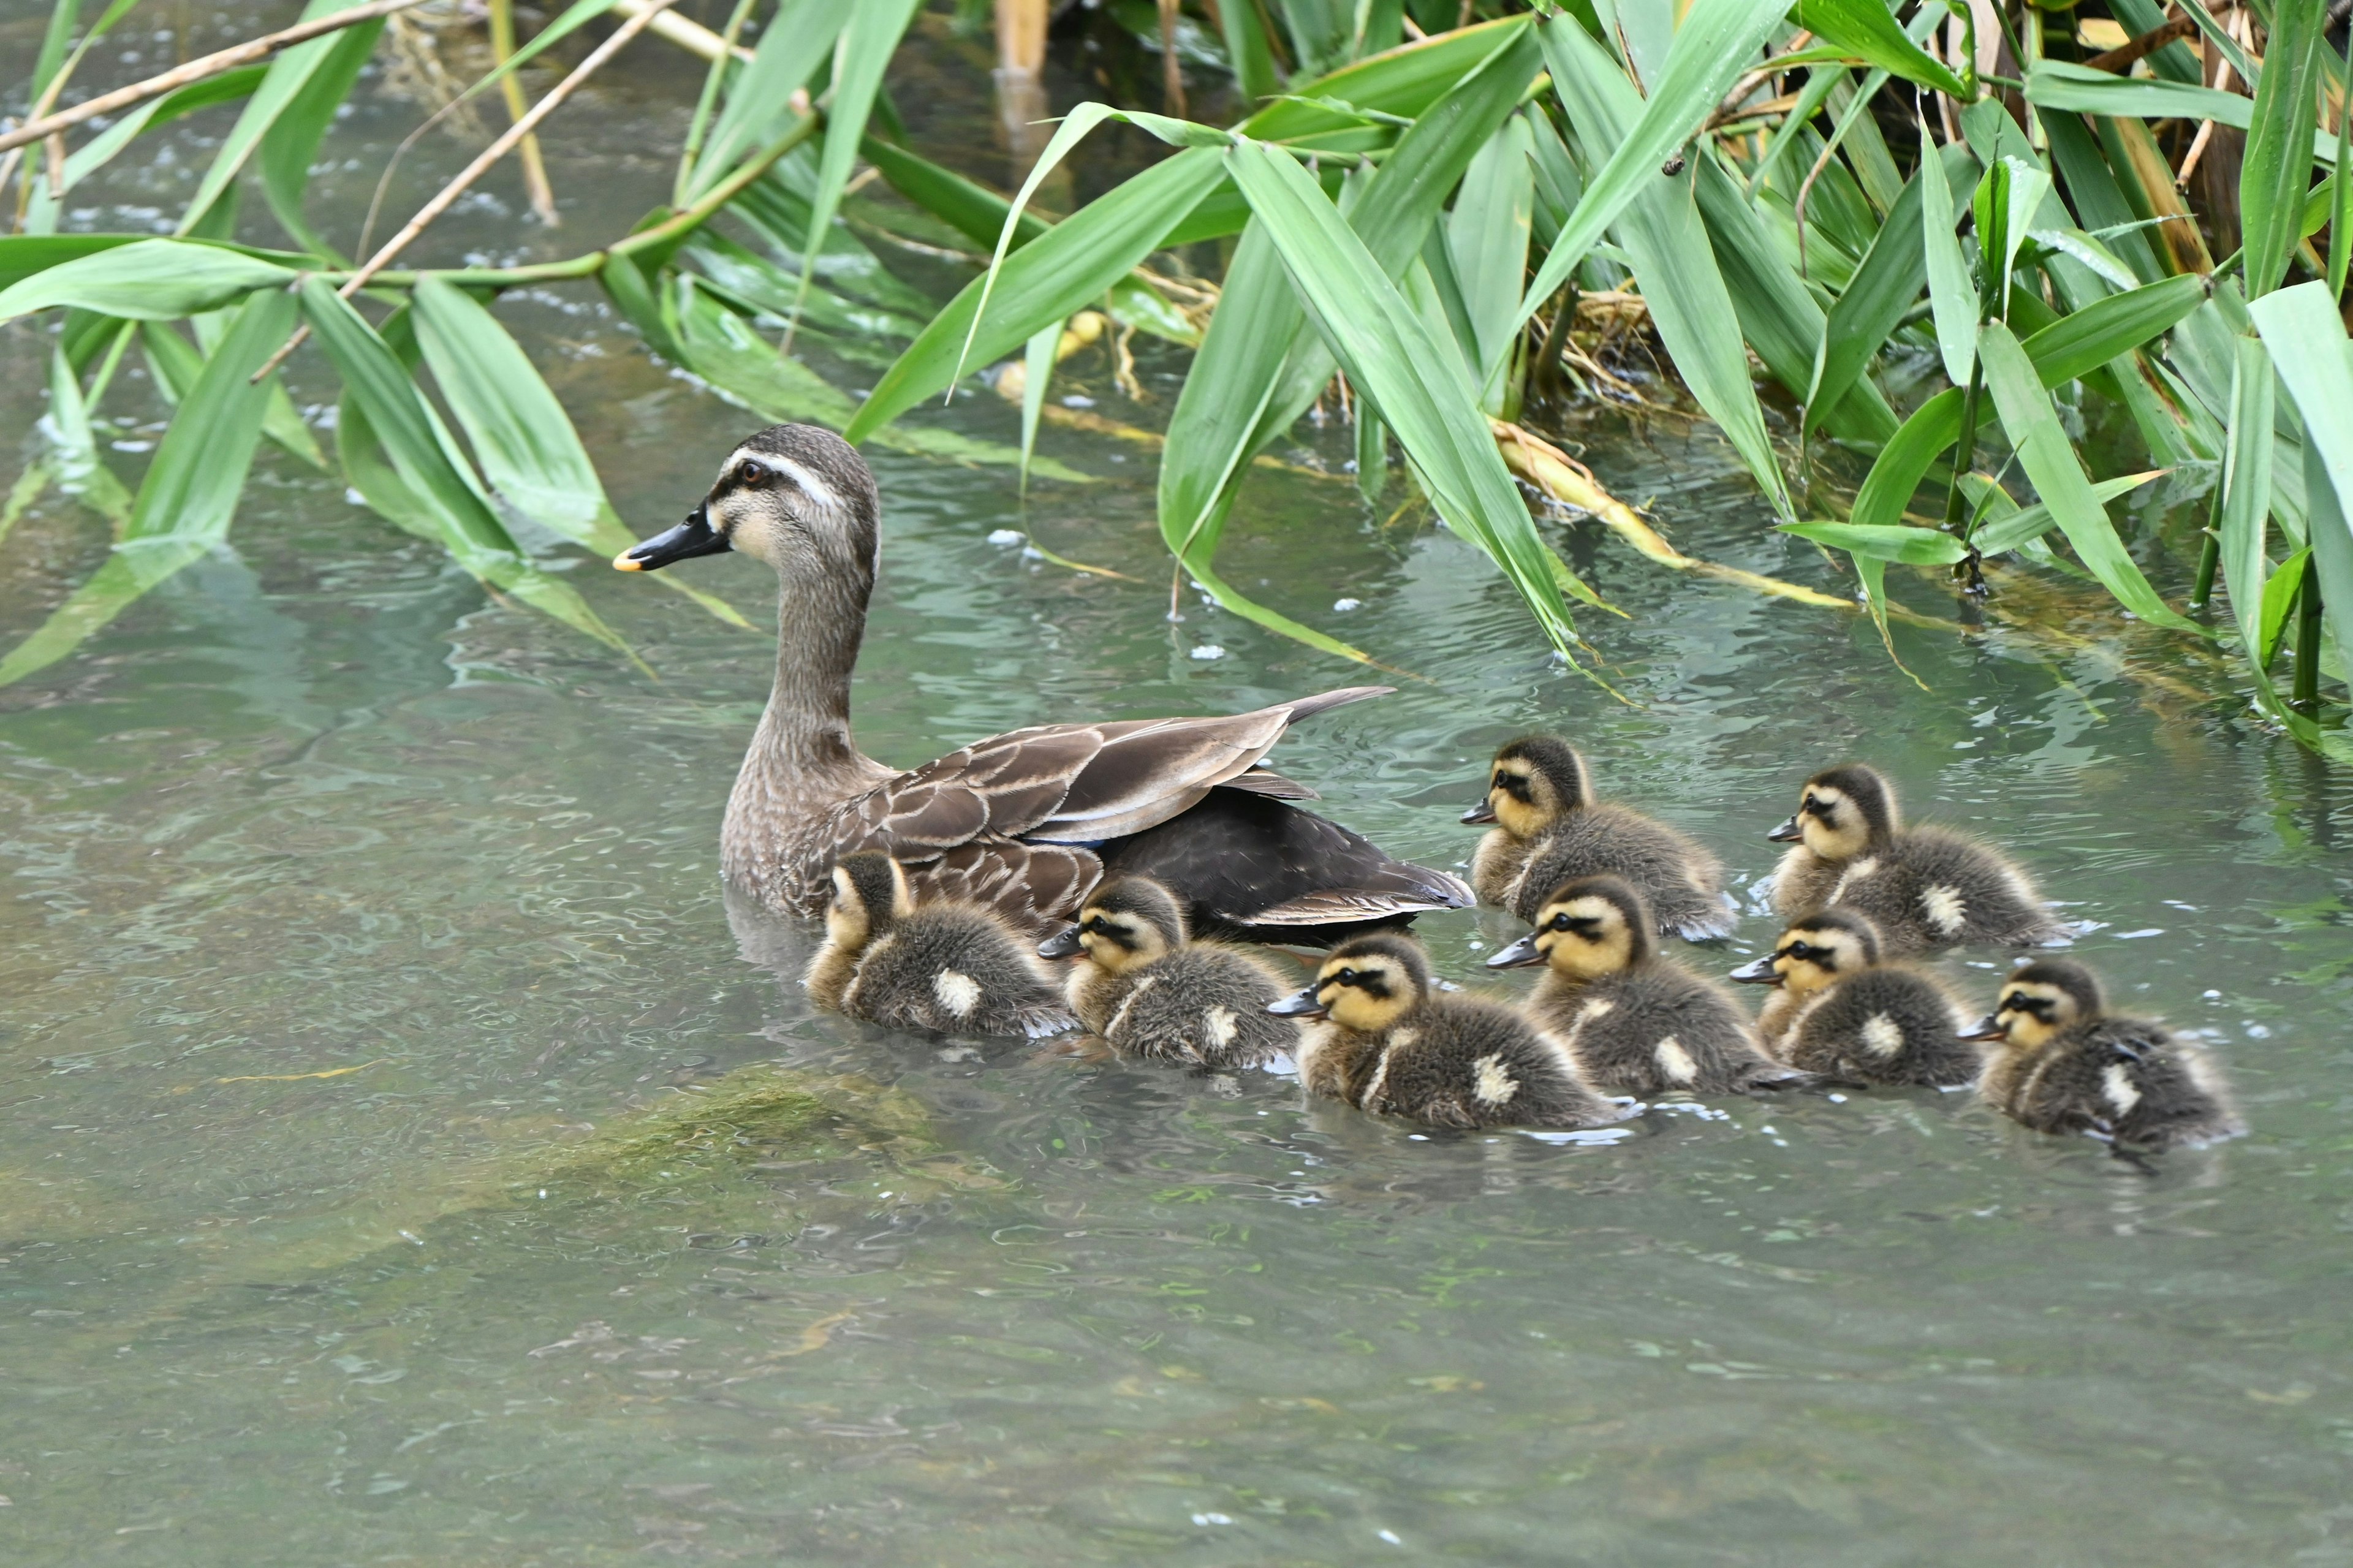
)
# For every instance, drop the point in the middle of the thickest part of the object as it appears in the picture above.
(748, 472)
(1561, 923)
(1345, 977)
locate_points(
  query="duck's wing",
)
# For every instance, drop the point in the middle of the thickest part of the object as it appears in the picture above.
(1032, 885)
(1073, 784)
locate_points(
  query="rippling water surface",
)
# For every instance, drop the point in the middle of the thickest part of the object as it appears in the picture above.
(404, 1157)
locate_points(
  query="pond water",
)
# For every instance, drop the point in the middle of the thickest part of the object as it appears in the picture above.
(404, 1157)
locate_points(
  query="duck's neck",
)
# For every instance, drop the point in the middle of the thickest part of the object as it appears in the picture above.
(803, 743)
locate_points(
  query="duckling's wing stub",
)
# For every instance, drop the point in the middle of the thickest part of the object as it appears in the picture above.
(1244, 862)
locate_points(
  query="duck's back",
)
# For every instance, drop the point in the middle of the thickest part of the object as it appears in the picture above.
(1202, 1005)
(954, 969)
(1683, 883)
(1461, 1062)
(1656, 1028)
(2126, 1078)
(1931, 889)
(1883, 1026)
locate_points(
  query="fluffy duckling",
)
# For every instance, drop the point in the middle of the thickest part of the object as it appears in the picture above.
(1151, 992)
(2061, 1064)
(1837, 1010)
(948, 966)
(1549, 828)
(1922, 887)
(1391, 1043)
(1636, 1022)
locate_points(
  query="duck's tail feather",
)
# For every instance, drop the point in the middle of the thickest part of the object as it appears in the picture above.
(1308, 707)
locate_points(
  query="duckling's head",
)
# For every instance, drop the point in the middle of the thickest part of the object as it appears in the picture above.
(1820, 950)
(1532, 783)
(1589, 927)
(869, 892)
(797, 497)
(1366, 983)
(1844, 811)
(1126, 923)
(2039, 1001)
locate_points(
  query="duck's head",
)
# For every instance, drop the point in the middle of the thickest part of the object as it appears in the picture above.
(797, 497)
(1126, 923)
(2039, 1001)
(1366, 983)
(1820, 950)
(869, 892)
(1532, 783)
(1844, 811)
(1589, 927)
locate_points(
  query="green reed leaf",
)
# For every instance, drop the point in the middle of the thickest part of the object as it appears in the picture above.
(2076, 345)
(1904, 462)
(799, 37)
(2247, 493)
(1912, 546)
(2277, 164)
(1866, 29)
(145, 280)
(868, 40)
(2307, 345)
(1952, 298)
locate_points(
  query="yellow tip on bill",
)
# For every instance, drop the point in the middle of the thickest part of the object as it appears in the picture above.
(622, 562)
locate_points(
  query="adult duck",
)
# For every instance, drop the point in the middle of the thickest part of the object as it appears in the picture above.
(1026, 823)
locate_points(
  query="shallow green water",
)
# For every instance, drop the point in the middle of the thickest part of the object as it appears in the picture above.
(499, 1290)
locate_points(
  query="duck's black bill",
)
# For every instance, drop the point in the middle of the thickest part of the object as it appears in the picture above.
(1519, 955)
(1482, 812)
(1063, 943)
(1785, 833)
(1300, 1004)
(1758, 973)
(689, 539)
(1986, 1029)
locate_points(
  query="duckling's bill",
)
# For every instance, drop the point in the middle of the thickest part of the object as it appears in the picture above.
(1989, 1028)
(691, 538)
(1305, 1003)
(1758, 972)
(1063, 943)
(1521, 955)
(1788, 832)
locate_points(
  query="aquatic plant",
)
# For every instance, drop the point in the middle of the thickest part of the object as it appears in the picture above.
(1950, 238)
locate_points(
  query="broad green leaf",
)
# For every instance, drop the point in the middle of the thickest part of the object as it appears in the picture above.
(2007, 199)
(175, 365)
(190, 493)
(293, 137)
(1660, 229)
(2057, 474)
(1913, 546)
(1952, 298)
(419, 450)
(1419, 386)
(798, 37)
(2247, 492)
(2097, 197)
(289, 73)
(24, 254)
(1487, 241)
(100, 150)
(2275, 167)
(2307, 345)
(867, 41)
(2055, 84)
(2015, 528)
(1372, 453)
(977, 212)
(25, 492)
(2279, 597)
(1866, 29)
(1864, 317)
(1713, 44)
(80, 468)
(1904, 462)
(524, 441)
(1063, 270)
(2073, 346)
(146, 281)
(1407, 82)
(1252, 56)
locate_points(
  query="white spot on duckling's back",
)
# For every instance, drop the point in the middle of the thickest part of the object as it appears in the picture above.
(1945, 912)
(958, 993)
(1220, 1023)
(1675, 1064)
(1111, 1030)
(1492, 1082)
(1881, 1037)
(2117, 1088)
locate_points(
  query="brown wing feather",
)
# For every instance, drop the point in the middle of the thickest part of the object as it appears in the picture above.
(1032, 885)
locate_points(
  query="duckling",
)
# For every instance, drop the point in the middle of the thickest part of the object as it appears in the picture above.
(1151, 991)
(948, 966)
(1394, 1046)
(2061, 1064)
(1837, 1010)
(1922, 887)
(1549, 828)
(1636, 1022)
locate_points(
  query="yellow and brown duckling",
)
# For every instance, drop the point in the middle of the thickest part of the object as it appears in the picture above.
(1151, 992)
(2061, 1063)
(1549, 828)
(1922, 887)
(947, 966)
(1388, 1041)
(1636, 1022)
(1838, 1010)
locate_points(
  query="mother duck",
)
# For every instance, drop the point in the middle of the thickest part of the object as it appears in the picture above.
(1026, 822)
